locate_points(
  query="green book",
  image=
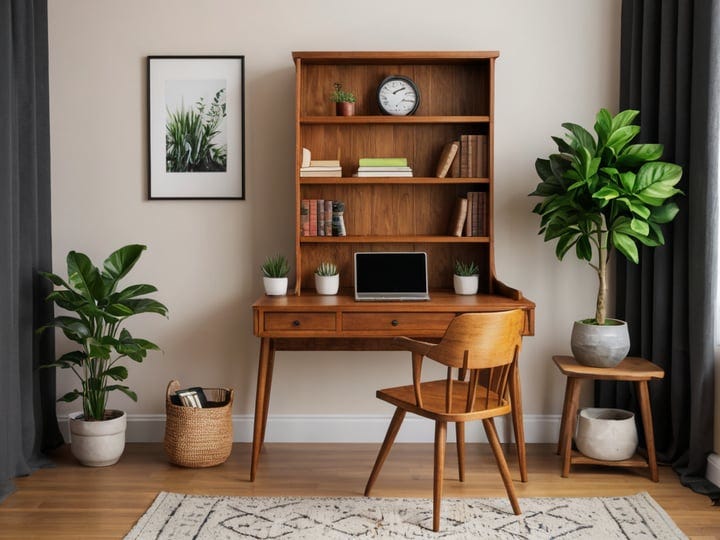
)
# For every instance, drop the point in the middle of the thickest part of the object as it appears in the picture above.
(383, 162)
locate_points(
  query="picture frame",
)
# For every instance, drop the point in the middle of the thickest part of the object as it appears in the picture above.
(196, 127)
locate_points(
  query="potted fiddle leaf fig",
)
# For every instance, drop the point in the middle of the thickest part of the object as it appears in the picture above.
(603, 194)
(97, 310)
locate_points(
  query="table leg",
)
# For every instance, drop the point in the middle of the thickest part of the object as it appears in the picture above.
(563, 419)
(263, 388)
(644, 399)
(573, 387)
(517, 418)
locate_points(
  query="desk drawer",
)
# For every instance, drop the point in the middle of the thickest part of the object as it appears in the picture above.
(300, 321)
(400, 323)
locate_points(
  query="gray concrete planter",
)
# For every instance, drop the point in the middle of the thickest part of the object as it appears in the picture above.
(97, 443)
(600, 346)
(606, 434)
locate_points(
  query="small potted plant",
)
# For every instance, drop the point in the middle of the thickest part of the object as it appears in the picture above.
(95, 311)
(466, 277)
(275, 270)
(327, 278)
(344, 101)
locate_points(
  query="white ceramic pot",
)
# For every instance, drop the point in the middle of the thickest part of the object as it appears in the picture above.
(606, 434)
(466, 284)
(275, 286)
(600, 346)
(327, 284)
(97, 443)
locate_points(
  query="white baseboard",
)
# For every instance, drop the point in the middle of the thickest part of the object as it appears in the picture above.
(712, 473)
(344, 428)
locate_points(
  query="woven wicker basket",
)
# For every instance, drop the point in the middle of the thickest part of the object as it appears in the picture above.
(197, 437)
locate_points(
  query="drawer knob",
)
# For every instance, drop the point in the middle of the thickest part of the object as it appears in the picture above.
(296, 323)
(395, 322)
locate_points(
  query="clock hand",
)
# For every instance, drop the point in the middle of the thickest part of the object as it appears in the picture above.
(401, 88)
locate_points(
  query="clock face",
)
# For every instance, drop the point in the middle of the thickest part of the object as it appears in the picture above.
(398, 96)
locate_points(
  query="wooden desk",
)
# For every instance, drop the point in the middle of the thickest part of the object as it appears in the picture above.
(637, 370)
(312, 322)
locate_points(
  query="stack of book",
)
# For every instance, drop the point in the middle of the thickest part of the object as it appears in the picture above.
(466, 158)
(320, 217)
(319, 167)
(470, 215)
(369, 167)
(191, 397)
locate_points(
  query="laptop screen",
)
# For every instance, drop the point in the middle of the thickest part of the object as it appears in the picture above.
(391, 276)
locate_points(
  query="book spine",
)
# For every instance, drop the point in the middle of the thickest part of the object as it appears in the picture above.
(468, 216)
(328, 218)
(455, 165)
(464, 149)
(313, 217)
(483, 219)
(383, 162)
(475, 213)
(481, 157)
(305, 217)
(321, 217)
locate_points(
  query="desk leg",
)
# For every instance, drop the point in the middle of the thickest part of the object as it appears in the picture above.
(517, 417)
(646, 413)
(569, 414)
(262, 395)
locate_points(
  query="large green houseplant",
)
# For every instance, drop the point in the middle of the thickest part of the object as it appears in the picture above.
(97, 311)
(602, 193)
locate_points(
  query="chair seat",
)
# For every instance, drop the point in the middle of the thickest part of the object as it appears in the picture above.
(434, 402)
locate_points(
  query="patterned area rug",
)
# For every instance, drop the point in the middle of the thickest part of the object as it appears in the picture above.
(174, 516)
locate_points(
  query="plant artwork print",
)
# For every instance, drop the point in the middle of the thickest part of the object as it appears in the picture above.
(196, 127)
(195, 137)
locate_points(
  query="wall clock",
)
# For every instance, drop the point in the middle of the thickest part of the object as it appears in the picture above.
(398, 95)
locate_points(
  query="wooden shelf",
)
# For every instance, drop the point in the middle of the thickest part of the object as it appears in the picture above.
(377, 119)
(576, 458)
(414, 180)
(426, 239)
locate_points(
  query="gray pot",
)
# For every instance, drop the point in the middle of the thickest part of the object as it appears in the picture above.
(600, 346)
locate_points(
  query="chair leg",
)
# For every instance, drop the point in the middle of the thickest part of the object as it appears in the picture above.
(385, 448)
(491, 432)
(440, 438)
(460, 438)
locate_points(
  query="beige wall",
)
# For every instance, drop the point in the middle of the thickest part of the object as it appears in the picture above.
(559, 62)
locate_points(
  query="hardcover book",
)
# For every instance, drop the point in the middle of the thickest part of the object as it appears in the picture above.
(447, 156)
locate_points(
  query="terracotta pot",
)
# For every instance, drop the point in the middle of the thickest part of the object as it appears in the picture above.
(344, 108)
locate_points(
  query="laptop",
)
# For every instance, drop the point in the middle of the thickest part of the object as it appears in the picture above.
(393, 276)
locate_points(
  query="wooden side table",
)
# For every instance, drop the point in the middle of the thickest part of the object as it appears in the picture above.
(637, 370)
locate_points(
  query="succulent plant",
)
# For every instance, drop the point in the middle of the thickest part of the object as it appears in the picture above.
(466, 268)
(326, 269)
(275, 266)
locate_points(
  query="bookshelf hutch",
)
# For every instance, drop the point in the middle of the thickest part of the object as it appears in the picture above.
(386, 213)
(391, 213)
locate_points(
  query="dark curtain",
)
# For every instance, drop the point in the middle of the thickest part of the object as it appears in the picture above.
(670, 54)
(27, 395)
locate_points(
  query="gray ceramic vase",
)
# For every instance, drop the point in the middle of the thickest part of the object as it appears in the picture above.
(600, 346)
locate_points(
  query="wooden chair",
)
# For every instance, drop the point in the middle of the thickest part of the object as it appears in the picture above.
(483, 345)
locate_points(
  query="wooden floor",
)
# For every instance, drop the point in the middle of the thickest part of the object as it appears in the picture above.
(71, 501)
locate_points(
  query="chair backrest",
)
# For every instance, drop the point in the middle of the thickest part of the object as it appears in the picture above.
(485, 345)
(480, 340)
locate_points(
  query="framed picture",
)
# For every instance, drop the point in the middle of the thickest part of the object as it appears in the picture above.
(196, 127)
